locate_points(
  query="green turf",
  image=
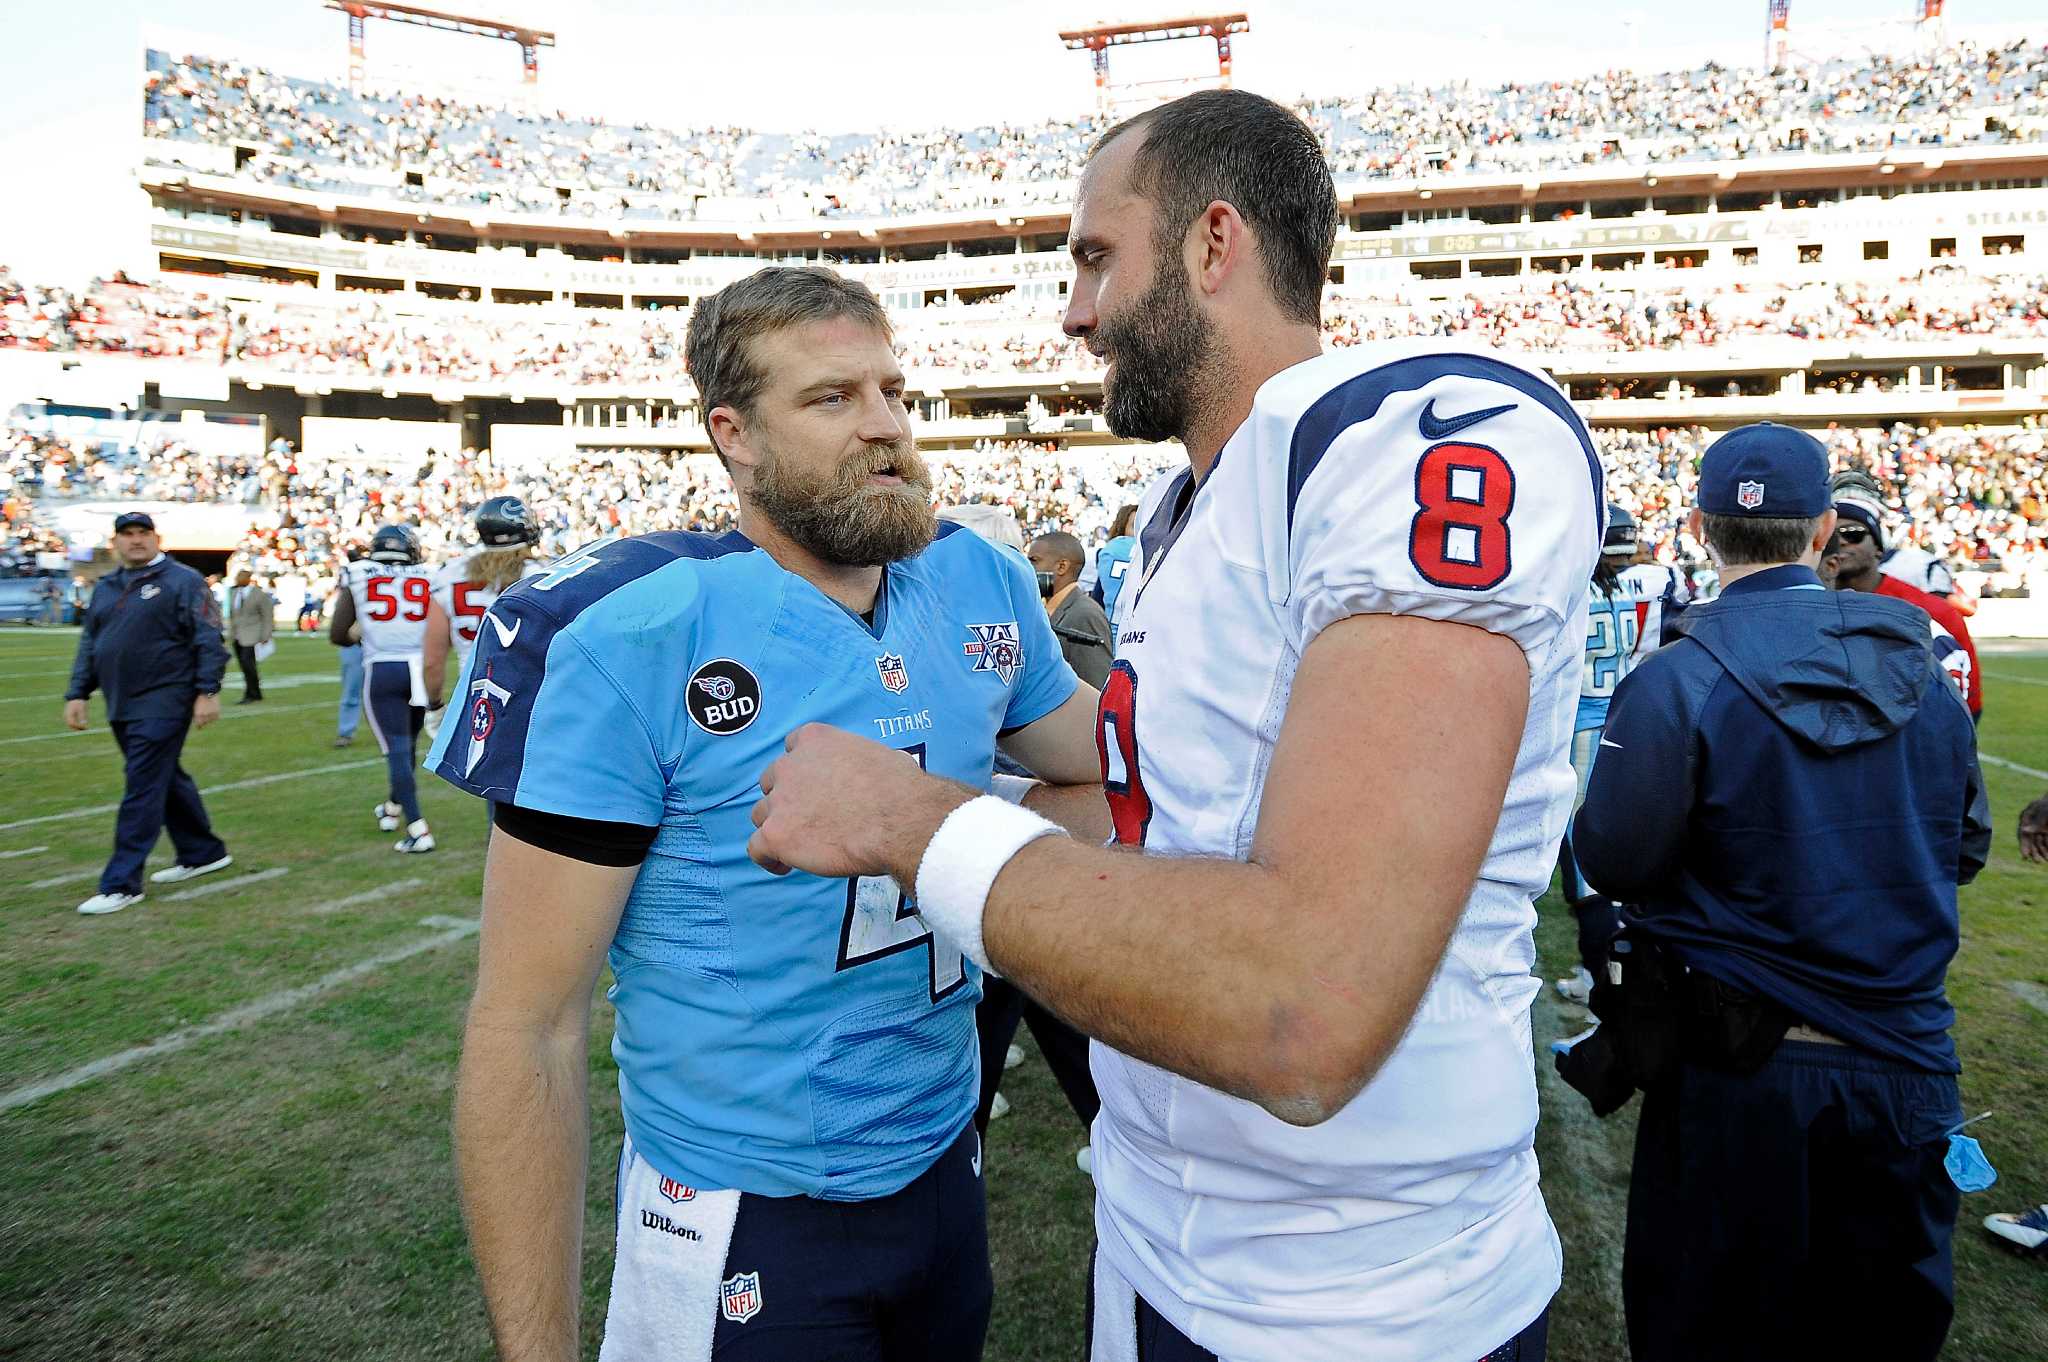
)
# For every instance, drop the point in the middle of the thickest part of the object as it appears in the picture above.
(285, 1190)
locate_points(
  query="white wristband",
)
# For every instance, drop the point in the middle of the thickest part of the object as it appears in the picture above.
(1012, 788)
(962, 861)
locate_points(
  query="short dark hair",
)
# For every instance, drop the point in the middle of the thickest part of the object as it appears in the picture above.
(1746, 540)
(1259, 158)
(718, 345)
(1063, 547)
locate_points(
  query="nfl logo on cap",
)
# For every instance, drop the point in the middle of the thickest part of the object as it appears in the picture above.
(1750, 495)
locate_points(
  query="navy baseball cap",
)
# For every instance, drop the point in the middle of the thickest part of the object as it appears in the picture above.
(133, 520)
(1765, 470)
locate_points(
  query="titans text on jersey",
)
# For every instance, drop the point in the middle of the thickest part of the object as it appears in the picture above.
(1378, 480)
(776, 1035)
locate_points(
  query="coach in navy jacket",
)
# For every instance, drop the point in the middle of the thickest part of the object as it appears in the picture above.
(1788, 796)
(151, 643)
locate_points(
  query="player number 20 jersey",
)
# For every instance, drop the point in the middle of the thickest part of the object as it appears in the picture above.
(1402, 480)
(391, 606)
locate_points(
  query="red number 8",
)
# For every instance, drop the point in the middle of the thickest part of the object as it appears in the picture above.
(1459, 537)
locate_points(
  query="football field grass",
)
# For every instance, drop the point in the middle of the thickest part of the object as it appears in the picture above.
(224, 1112)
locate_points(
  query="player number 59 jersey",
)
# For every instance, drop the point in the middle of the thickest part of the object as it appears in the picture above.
(1378, 480)
(391, 606)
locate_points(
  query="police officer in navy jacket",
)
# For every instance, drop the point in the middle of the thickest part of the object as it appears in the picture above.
(151, 643)
(1789, 796)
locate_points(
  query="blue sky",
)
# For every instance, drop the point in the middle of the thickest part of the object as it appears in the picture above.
(68, 84)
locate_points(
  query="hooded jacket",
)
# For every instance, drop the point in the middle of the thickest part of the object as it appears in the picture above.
(1788, 797)
(151, 641)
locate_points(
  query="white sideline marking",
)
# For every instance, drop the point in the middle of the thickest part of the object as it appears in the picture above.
(368, 896)
(68, 877)
(284, 682)
(249, 784)
(454, 929)
(222, 886)
(2032, 994)
(2023, 680)
(2012, 766)
(20, 851)
(226, 714)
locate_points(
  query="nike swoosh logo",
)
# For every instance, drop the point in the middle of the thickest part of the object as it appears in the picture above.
(505, 636)
(1615, 745)
(1433, 429)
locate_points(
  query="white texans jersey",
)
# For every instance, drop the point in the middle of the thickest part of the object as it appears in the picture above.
(1403, 479)
(391, 606)
(464, 602)
(1659, 592)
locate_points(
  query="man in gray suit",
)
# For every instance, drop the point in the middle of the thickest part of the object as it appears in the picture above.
(1077, 621)
(252, 614)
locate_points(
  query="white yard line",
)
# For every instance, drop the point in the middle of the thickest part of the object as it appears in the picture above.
(2012, 766)
(249, 784)
(223, 886)
(367, 896)
(20, 851)
(2013, 676)
(225, 714)
(288, 1000)
(2030, 993)
(68, 877)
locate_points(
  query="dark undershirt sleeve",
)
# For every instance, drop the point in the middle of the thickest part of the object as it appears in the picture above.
(590, 840)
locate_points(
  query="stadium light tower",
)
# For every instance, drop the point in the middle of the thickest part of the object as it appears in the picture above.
(1097, 39)
(359, 12)
(1778, 37)
(1930, 25)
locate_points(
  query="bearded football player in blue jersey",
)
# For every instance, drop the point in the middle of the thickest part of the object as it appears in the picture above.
(800, 1177)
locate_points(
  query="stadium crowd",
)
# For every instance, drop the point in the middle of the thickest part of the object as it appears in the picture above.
(449, 342)
(1976, 498)
(313, 134)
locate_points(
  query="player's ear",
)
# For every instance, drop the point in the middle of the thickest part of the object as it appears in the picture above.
(1218, 243)
(728, 431)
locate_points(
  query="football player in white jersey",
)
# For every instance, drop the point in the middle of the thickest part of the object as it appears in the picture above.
(465, 588)
(1338, 729)
(388, 594)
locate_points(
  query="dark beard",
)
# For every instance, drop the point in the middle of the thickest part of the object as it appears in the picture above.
(1158, 348)
(842, 519)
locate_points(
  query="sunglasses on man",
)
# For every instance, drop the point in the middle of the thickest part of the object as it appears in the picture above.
(1852, 534)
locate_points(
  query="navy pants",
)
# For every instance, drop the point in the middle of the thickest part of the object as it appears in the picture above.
(902, 1278)
(1797, 1212)
(160, 797)
(1159, 1341)
(1002, 1006)
(396, 720)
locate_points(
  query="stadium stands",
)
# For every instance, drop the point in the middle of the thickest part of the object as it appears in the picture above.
(312, 134)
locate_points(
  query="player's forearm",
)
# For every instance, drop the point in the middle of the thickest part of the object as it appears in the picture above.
(1220, 971)
(1080, 809)
(521, 1150)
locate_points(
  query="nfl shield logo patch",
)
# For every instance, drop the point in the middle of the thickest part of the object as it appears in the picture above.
(1749, 495)
(675, 1191)
(739, 1296)
(895, 679)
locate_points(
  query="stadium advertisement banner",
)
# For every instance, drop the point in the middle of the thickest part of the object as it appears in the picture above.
(2008, 208)
(517, 270)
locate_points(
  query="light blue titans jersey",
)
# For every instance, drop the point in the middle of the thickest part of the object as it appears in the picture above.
(780, 1035)
(1112, 564)
(1613, 628)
